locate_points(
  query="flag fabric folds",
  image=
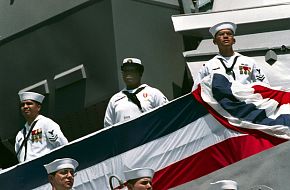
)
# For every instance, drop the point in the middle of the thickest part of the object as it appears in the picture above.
(249, 107)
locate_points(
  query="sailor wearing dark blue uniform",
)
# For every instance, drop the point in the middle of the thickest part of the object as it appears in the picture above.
(135, 99)
(40, 134)
(228, 62)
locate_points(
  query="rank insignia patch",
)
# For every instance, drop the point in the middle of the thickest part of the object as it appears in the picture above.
(51, 136)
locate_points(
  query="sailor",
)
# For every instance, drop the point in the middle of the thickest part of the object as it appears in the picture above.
(40, 134)
(135, 99)
(228, 62)
(61, 173)
(226, 184)
(139, 178)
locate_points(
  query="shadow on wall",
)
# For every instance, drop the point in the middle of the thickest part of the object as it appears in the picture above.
(7, 158)
(75, 120)
(81, 123)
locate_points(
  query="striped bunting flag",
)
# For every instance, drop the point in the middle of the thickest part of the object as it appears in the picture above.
(181, 141)
(253, 108)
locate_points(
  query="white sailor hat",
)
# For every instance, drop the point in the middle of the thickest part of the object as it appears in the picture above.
(132, 60)
(223, 25)
(227, 184)
(59, 164)
(30, 96)
(138, 173)
(135, 61)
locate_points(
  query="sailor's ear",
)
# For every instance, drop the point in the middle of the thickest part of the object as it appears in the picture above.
(214, 42)
(50, 178)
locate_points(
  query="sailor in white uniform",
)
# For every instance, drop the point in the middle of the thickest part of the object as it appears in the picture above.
(135, 99)
(236, 66)
(61, 173)
(40, 134)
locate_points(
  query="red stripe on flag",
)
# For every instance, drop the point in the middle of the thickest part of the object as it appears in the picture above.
(208, 160)
(280, 96)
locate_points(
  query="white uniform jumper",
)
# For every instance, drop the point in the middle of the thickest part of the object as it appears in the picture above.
(121, 108)
(242, 68)
(45, 136)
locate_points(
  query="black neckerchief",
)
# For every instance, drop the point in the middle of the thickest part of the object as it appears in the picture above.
(229, 71)
(133, 97)
(24, 142)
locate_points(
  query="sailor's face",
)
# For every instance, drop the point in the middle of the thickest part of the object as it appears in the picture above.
(224, 37)
(63, 179)
(29, 108)
(131, 76)
(143, 184)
